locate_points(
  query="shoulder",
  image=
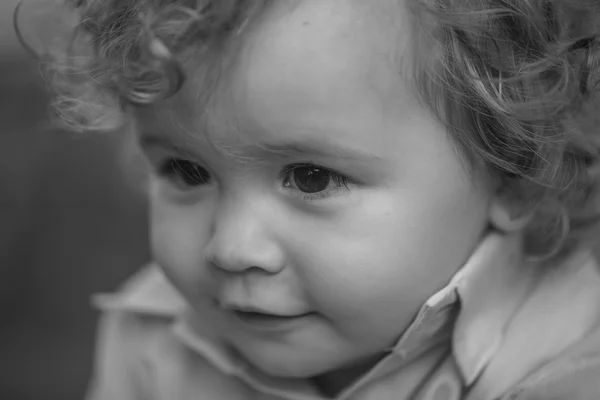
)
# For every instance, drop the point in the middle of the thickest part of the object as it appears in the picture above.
(568, 310)
(137, 320)
(575, 375)
(139, 354)
(133, 319)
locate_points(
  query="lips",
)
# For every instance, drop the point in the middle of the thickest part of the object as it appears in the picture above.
(258, 317)
(260, 312)
(265, 320)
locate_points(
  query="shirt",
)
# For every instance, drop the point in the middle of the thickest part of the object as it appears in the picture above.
(497, 322)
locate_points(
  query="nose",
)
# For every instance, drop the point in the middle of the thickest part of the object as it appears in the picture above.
(242, 239)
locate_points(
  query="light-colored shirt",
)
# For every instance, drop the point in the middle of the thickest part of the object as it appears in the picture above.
(500, 327)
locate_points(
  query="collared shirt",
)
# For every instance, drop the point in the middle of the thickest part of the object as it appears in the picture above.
(460, 338)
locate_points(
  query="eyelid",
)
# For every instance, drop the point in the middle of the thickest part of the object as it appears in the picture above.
(290, 167)
(156, 154)
(148, 142)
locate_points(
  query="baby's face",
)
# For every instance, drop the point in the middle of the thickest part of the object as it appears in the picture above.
(314, 188)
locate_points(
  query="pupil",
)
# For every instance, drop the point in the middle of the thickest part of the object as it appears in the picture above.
(311, 180)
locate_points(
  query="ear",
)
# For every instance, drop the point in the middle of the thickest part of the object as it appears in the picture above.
(505, 218)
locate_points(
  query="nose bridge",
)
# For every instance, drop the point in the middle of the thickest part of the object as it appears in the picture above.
(242, 237)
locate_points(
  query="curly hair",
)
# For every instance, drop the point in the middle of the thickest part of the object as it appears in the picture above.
(515, 82)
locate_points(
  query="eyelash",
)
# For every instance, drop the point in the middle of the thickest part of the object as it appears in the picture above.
(174, 170)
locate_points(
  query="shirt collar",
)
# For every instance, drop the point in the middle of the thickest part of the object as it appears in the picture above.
(146, 292)
(491, 287)
(474, 309)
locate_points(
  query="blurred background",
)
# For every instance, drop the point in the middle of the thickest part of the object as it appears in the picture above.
(70, 225)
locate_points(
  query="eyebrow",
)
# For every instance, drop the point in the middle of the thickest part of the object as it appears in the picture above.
(283, 149)
(320, 149)
(153, 140)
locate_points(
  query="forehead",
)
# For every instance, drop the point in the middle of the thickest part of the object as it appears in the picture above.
(299, 64)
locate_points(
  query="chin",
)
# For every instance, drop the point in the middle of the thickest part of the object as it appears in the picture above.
(288, 363)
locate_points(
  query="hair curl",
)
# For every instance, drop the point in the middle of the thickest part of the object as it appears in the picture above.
(514, 81)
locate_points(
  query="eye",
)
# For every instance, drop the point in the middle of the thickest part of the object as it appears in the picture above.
(184, 173)
(312, 180)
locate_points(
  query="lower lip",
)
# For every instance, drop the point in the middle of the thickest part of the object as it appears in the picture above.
(270, 323)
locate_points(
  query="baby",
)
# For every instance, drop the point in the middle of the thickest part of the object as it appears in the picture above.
(383, 199)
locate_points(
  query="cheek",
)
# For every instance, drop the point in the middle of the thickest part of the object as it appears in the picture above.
(375, 267)
(178, 240)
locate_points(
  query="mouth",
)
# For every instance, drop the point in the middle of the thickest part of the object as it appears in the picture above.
(257, 315)
(264, 321)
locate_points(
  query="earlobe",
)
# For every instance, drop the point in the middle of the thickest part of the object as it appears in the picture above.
(505, 218)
